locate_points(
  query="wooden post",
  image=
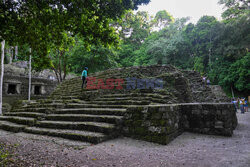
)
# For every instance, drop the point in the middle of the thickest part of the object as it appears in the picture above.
(16, 52)
(11, 55)
(29, 75)
(232, 92)
(1, 77)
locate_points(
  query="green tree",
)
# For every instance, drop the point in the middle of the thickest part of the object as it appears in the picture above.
(60, 55)
(203, 37)
(167, 46)
(231, 53)
(198, 65)
(235, 8)
(40, 24)
(162, 19)
(96, 59)
(135, 28)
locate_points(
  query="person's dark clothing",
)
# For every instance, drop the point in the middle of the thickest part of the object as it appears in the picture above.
(84, 81)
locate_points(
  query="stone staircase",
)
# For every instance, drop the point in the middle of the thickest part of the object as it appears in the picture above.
(68, 119)
(97, 115)
(72, 118)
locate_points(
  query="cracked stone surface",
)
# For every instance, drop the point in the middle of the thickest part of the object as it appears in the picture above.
(187, 150)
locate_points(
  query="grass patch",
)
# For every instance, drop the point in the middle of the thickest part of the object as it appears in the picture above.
(5, 155)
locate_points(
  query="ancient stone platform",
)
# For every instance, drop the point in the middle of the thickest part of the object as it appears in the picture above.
(157, 115)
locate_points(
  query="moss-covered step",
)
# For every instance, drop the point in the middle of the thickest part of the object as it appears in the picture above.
(46, 105)
(156, 95)
(122, 98)
(44, 101)
(25, 114)
(9, 126)
(124, 102)
(91, 137)
(88, 126)
(67, 97)
(95, 111)
(34, 109)
(19, 120)
(89, 105)
(85, 117)
(142, 98)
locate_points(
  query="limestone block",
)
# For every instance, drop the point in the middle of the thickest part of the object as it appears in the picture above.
(218, 125)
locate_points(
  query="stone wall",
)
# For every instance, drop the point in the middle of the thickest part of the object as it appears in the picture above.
(208, 118)
(162, 123)
(16, 88)
(158, 124)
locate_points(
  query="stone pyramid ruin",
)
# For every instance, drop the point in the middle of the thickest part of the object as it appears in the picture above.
(153, 103)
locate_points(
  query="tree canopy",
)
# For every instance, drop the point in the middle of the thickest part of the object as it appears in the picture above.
(40, 23)
(217, 49)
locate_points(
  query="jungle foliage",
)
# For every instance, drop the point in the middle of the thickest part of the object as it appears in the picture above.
(108, 34)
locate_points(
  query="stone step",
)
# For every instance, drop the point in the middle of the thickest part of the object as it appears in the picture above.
(64, 97)
(94, 111)
(74, 86)
(64, 94)
(88, 126)
(45, 101)
(89, 105)
(41, 106)
(46, 105)
(85, 117)
(118, 99)
(124, 102)
(138, 98)
(69, 97)
(121, 98)
(13, 127)
(91, 137)
(36, 110)
(25, 114)
(19, 120)
(153, 95)
(79, 82)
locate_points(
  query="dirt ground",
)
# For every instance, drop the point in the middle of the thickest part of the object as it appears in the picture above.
(187, 150)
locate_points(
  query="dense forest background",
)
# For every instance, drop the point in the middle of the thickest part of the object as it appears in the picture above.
(216, 49)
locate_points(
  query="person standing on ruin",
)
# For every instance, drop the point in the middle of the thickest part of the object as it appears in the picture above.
(84, 76)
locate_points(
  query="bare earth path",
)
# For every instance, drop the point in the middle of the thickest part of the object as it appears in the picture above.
(187, 150)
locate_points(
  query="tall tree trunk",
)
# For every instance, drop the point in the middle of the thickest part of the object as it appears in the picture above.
(57, 77)
(1, 77)
(55, 70)
(29, 76)
(16, 52)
